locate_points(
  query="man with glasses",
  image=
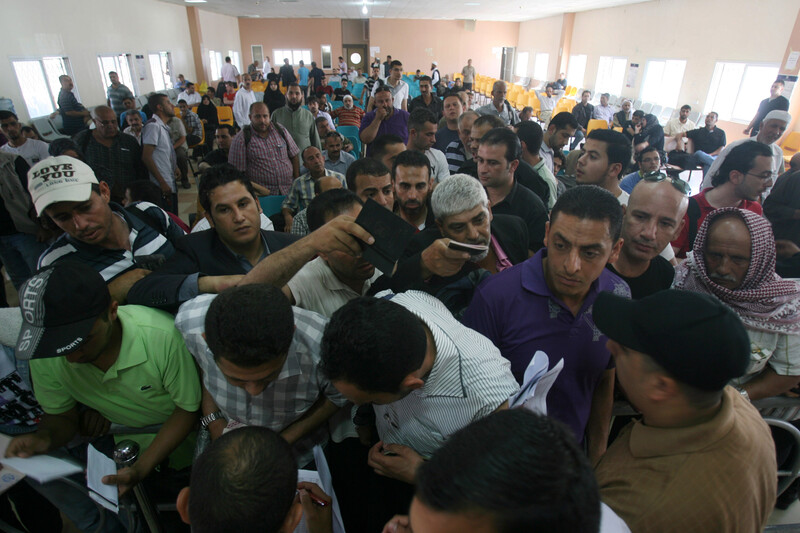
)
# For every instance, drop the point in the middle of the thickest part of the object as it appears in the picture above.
(115, 157)
(652, 218)
(649, 161)
(745, 174)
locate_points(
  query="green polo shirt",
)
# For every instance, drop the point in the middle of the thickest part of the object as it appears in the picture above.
(153, 374)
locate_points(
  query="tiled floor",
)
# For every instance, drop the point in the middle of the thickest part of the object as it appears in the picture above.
(789, 516)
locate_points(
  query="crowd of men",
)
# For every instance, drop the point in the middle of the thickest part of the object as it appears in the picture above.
(276, 336)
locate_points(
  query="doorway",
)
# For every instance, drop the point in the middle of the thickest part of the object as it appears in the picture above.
(507, 64)
(356, 56)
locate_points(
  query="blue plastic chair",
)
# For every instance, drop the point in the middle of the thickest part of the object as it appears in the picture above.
(356, 90)
(356, 143)
(336, 104)
(271, 205)
(334, 84)
(348, 131)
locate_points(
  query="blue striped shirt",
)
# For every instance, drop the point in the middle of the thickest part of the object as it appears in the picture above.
(144, 240)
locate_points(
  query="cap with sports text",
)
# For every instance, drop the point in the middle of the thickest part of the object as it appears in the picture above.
(60, 179)
(59, 305)
(694, 337)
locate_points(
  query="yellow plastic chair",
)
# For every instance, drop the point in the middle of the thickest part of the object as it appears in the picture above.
(790, 145)
(596, 124)
(225, 115)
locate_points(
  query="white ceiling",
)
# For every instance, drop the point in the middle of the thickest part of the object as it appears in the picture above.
(507, 10)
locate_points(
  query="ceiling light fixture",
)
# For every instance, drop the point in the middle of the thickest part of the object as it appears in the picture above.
(472, 3)
(364, 9)
(195, 1)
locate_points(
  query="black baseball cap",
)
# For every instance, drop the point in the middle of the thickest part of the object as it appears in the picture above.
(694, 337)
(59, 305)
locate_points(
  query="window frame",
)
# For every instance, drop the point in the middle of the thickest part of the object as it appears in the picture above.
(170, 69)
(648, 64)
(521, 64)
(710, 102)
(215, 62)
(536, 57)
(570, 77)
(600, 90)
(132, 82)
(52, 93)
(322, 53)
(294, 55)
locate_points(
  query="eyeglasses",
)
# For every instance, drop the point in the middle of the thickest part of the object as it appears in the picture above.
(678, 183)
(763, 177)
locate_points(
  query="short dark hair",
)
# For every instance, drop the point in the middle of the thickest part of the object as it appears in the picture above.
(531, 134)
(373, 343)
(244, 481)
(590, 202)
(779, 81)
(293, 84)
(321, 119)
(145, 191)
(741, 158)
(312, 100)
(686, 106)
(489, 120)
(526, 472)
(229, 127)
(367, 167)
(618, 147)
(638, 113)
(227, 59)
(425, 78)
(212, 90)
(249, 325)
(6, 114)
(155, 99)
(220, 175)
(419, 117)
(563, 120)
(395, 63)
(59, 146)
(333, 202)
(647, 150)
(411, 158)
(506, 137)
(188, 84)
(127, 98)
(383, 89)
(380, 144)
(586, 91)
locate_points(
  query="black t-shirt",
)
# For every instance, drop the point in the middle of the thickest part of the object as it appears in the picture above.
(780, 103)
(522, 202)
(657, 278)
(528, 177)
(340, 93)
(216, 157)
(707, 141)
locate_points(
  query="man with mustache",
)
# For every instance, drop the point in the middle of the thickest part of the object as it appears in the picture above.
(653, 217)
(744, 175)
(411, 177)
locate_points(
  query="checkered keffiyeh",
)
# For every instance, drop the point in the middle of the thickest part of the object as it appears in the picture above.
(765, 301)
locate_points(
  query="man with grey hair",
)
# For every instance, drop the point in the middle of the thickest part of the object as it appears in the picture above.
(465, 122)
(437, 261)
(499, 106)
(772, 128)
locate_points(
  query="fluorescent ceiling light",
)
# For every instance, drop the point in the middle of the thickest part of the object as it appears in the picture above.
(364, 9)
(195, 1)
(472, 3)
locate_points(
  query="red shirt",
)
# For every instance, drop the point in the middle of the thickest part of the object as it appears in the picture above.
(682, 242)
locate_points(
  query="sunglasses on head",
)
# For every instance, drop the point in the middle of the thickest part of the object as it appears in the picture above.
(678, 183)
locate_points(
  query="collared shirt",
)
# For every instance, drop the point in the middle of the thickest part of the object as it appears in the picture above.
(176, 131)
(157, 134)
(266, 161)
(192, 123)
(191, 99)
(548, 103)
(547, 154)
(300, 124)
(348, 117)
(241, 106)
(629, 182)
(229, 72)
(316, 288)
(341, 165)
(435, 107)
(469, 380)
(604, 112)
(552, 183)
(654, 478)
(115, 96)
(300, 223)
(135, 135)
(517, 311)
(397, 124)
(144, 240)
(508, 114)
(675, 126)
(399, 92)
(68, 102)
(298, 386)
(302, 191)
(152, 375)
(118, 164)
(502, 259)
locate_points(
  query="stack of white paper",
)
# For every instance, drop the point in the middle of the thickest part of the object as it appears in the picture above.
(97, 466)
(42, 468)
(538, 381)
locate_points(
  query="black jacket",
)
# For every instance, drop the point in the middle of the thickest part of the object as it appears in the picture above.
(201, 252)
(510, 231)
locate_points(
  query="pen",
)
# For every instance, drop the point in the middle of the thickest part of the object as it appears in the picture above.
(316, 499)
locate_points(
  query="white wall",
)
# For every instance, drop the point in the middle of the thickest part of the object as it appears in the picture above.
(221, 33)
(83, 30)
(541, 35)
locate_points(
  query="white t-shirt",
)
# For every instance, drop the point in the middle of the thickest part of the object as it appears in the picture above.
(400, 92)
(440, 170)
(241, 106)
(191, 99)
(229, 72)
(32, 151)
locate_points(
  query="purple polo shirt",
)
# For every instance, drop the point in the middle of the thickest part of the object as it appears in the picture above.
(517, 312)
(397, 124)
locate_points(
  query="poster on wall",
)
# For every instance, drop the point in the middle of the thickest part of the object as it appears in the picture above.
(791, 61)
(374, 51)
(633, 71)
(788, 84)
(141, 67)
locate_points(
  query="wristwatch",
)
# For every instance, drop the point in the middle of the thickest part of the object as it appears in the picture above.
(206, 420)
(743, 393)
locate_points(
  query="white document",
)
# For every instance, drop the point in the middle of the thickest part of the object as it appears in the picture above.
(42, 468)
(9, 477)
(321, 477)
(537, 383)
(98, 466)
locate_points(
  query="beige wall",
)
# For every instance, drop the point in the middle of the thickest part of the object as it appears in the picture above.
(418, 42)
(56, 28)
(541, 35)
(221, 34)
(295, 34)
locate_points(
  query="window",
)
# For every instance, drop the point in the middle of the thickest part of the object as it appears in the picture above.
(521, 68)
(39, 78)
(122, 65)
(327, 56)
(215, 64)
(540, 66)
(161, 67)
(662, 81)
(737, 89)
(576, 70)
(257, 51)
(294, 57)
(234, 55)
(610, 74)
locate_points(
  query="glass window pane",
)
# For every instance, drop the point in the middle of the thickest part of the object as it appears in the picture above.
(576, 70)
(540, 66)
(522, 64)
(307, 57)
(755, 83)
(155, 69)
(36, 94)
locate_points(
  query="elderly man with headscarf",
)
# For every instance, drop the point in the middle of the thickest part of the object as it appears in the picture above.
(733, 259)
(348, 114)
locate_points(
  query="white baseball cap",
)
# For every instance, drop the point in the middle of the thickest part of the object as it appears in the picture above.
(60, 179)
